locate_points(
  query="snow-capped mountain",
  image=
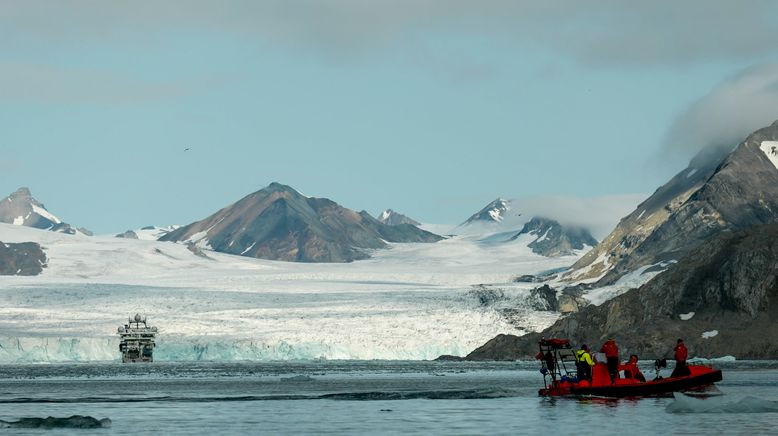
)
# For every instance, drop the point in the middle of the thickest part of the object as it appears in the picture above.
(279, 223)
(552, 239)
(713, 195)
(392, 218)
(21, 209)
(494, 212)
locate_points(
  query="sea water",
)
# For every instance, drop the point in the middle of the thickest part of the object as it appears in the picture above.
(367, 397)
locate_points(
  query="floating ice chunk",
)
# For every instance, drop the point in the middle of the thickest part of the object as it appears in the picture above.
(686, 316)
(710, 334)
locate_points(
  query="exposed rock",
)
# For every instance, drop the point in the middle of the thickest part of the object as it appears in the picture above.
(552, 239)
(20, 208)
(392, 218)
(129, 234)
(493, 212)
(729, 282)
(544, 298)
(21, 259)
(715, 193)
(279, 223)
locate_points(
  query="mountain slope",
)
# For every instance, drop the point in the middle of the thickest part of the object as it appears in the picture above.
(23, 259)
(552, 239)
(493, 212)
(713, 194)
(20, 208)
(279, 223)
(392, 218)
(722, 299)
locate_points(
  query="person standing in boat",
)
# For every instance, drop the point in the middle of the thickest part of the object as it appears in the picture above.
(631, 369)
(681, 354)
(584, 363)
(611, 351)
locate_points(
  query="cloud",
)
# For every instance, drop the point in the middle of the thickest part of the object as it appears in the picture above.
(46, 83)
(617, 32)
(729, 113)
(597, 214)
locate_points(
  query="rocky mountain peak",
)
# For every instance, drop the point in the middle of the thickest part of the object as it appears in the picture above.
(393, 218)
(552, 239)
(279, 223)
(715, 193)
(494, 212)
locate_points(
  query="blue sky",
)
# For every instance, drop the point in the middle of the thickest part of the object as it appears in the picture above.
(432, 108)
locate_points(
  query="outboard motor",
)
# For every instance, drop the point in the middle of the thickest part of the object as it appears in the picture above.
(658, 365)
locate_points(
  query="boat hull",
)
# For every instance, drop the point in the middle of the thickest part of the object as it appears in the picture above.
(700, 378)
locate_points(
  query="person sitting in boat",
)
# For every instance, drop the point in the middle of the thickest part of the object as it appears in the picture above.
(584, 363)
(611, 351)
(681, 353)
(631, 370)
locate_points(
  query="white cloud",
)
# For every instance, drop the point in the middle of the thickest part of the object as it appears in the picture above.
(725, 116)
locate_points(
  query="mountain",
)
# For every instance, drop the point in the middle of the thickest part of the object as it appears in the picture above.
(714, 194)
(22, 259)
(722, 299)
(494, 212)
(392, 218)
(20, 208)
(279, 223)
(552, 239)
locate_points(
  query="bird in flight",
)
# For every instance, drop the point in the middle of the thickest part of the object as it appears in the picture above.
(187, 148)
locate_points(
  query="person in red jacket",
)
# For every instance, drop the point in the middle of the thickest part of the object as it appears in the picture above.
(611, 351)
(631, 369)
(681, 354)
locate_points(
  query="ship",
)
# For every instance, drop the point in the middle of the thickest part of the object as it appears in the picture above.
(137, 340)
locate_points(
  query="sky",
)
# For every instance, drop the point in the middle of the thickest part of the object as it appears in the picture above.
(123, 114)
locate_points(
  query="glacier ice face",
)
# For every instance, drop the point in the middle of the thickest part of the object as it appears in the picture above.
(413, 301)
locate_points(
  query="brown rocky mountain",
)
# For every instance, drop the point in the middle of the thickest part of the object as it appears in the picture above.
(279, 223)
(712, 195)
(722, 299)
(22, 259)
(20, 208)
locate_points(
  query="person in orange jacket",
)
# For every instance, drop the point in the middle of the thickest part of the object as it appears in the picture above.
(681, 354)
(611, 351)
(631, 369)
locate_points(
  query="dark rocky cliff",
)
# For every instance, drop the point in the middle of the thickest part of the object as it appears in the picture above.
(21, 259)
(729, 283)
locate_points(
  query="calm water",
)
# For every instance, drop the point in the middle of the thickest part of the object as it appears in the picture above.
(367, 397)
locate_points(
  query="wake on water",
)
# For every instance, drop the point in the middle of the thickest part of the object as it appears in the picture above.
(720, 404)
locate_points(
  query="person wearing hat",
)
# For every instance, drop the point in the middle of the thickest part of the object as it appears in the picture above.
(681, 354)
(584, 363)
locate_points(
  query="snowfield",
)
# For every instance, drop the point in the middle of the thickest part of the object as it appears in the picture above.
(412, 301)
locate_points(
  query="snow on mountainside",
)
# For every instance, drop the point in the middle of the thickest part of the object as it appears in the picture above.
(414, 301)
(553, 239)
(494, 212)
(713, 195)
(21, 209)
(393, 218)
(279, 223)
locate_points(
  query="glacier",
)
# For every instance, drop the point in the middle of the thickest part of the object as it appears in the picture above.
(410, 302)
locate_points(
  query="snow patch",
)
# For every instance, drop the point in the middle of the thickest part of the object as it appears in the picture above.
(710, 334)
(686, 316)
(633, 280)
(19, 221)
(691, 172)
(45, 213)
(770, 149)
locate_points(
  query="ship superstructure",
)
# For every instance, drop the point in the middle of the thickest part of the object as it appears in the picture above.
(137, 340)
